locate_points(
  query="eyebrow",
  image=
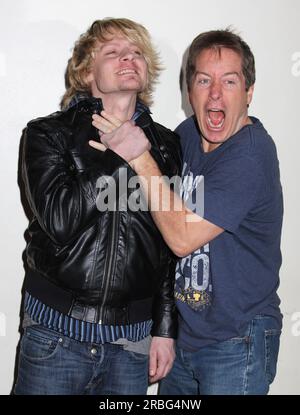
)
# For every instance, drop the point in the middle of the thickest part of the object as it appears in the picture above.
(225, 74)
(232, 73)
(116, 44)
(107, 44)
(201, 73)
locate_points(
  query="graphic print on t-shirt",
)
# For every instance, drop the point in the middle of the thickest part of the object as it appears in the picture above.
(193, 285)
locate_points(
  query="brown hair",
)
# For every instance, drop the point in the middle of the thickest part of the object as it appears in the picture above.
(218, 39)
(80, 64)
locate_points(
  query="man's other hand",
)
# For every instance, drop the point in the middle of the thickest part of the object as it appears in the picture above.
(162, 355)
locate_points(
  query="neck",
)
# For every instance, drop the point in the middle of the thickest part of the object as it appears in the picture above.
(207, 146)
(121, 106)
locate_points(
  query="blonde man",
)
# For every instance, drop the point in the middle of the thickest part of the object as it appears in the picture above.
(99, 278)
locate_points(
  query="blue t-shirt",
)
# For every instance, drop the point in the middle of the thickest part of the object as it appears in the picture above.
(221, 286)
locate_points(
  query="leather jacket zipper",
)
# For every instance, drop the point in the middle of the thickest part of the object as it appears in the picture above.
(108, 271)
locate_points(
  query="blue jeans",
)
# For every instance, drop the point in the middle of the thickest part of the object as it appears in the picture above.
(239, 366)
(51, 364)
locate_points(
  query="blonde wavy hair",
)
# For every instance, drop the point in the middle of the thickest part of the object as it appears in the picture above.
(80, 64)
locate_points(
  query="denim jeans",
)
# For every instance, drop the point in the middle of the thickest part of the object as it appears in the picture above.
(239, 366)
(51, 364)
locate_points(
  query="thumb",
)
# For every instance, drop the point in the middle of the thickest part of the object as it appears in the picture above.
(97, 146)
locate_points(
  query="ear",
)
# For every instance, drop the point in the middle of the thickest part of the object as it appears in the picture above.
(89, 77)
(190, 100)
(250, 94)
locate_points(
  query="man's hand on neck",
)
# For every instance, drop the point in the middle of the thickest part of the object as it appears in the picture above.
(120, 106)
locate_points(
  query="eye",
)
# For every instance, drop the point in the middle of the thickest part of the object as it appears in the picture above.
(229, 82)
(203, 81)
(110, 52)
(138, 53)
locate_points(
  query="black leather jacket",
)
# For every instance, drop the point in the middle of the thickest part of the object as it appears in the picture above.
(110, 267)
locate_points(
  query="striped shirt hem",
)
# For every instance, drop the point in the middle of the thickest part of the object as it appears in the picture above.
(83, 331)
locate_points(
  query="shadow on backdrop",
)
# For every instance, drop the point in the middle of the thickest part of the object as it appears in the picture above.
(185, 103)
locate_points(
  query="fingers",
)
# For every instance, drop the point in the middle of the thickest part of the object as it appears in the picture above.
(161, 358)
(105, 123)
(159, 369)
(160, 373)
(102, 125)
(97, 146)
(111, 119)
(128, 141)
(152, 364)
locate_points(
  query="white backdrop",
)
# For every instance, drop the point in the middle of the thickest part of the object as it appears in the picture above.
(36, 38)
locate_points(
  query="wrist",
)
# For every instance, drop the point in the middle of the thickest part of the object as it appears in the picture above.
(140, 163)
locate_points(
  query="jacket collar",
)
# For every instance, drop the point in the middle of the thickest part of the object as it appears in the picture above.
(87, 103)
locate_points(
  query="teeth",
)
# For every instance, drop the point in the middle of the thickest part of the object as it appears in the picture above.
(220, 125)
(125, 71)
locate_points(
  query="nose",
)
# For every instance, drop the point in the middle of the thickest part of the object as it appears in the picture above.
(126, 54)
(215, 90)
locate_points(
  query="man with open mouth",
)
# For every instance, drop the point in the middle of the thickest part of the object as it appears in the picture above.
(228, 272)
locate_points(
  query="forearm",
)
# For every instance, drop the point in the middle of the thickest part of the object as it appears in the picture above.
(167, 209)
(182, 230)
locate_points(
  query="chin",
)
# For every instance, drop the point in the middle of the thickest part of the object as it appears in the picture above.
(215, 138)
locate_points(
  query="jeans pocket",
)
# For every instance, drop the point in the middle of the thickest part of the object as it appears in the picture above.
(39, 343)
(139, 357)
(272, 340)
(236, 340)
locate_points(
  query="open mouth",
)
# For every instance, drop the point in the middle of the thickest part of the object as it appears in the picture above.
(216, 118)
(127, 72)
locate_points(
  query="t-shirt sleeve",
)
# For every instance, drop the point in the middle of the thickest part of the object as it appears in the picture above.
(231, 189)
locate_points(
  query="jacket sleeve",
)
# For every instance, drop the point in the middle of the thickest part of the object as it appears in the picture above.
(164, 313)
(62, 198)
(164, 309)
(170, 163)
